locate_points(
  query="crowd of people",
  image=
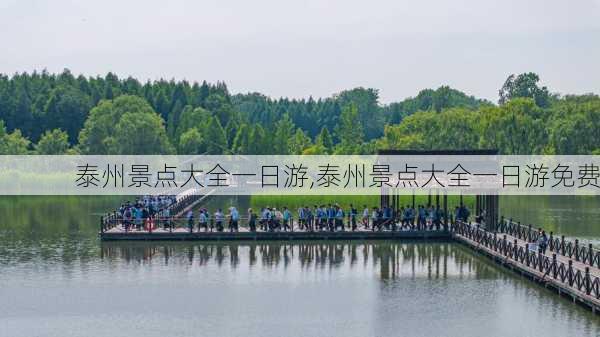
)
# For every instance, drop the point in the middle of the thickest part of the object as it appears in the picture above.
(331, 217)
(145, 212)
(150, 212)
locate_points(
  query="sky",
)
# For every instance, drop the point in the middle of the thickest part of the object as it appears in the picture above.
(313, 48)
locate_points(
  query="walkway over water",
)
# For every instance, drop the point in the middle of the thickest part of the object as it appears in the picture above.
(567, 268)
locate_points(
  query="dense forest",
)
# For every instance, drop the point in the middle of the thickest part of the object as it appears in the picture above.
(42, 113)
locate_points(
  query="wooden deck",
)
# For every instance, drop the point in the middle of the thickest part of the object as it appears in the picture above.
(536, 275)
(244, 234)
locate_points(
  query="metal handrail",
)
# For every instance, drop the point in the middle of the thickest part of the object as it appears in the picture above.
(578, 279)
(571, 249)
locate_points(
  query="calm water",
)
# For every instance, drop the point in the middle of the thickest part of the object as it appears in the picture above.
(57, 279)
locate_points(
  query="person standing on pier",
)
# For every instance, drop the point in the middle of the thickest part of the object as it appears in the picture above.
(437, 217)
(375, 219)
(386, 217)
(310, 218)
(365, 217)
(330, 217)
(190, 220)
(234, 217)
(219, 217)
(315, 218)
(202, 220)
(263, 219)
(138, 217)
(542, 242)
(301, 218)
(209, 219)
(287, 218)
(352, 216)
(320, 217)
(251, 220)
(339, 217)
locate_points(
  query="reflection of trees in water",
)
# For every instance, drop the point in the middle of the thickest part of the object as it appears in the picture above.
(390, 259)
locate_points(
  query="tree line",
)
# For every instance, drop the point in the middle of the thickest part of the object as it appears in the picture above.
(62, 114)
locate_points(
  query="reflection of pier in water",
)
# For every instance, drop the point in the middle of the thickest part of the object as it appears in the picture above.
(390, 260)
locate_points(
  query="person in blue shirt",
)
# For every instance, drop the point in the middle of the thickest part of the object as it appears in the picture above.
(251, 220)
(264, 218)
(386, 217)
(314, 218)
(234, 217)
(190, 220)
(339, 218)
(301, 218)
(321, 216)
(202, 221)
(310, 218)
(422, 217)
(365, 217)
(375, 219)
(287, 218)
(330, 217)
(353, 214)
(138, 217)
(219, 217)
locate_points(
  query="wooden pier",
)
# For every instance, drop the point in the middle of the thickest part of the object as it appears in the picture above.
(578, 280)
(568, 268)
(181, 234)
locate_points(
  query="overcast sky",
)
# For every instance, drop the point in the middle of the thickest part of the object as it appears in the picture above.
(311, 47)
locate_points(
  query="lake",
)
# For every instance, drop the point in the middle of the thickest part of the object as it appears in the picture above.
(57, 279)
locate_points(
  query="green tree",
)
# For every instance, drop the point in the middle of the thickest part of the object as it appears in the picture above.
(241, 142)
(284, 130)
(571, 130)
(524, 85)
(53, 142)
(216, 142)
(324, 139)
(192, 118)
(141, 134)
(349, 131)
(366, 101)
(125, 125)
(13, 143)
(67, 108)
(513, 128)
(316, 149)
(220, 107)
(258, 141)
(300, 141)
(191, 142)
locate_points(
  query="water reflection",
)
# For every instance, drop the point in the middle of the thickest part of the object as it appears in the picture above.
(390, 259)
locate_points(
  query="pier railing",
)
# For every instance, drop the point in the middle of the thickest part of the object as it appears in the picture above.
(565, 273)
(567, 248)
